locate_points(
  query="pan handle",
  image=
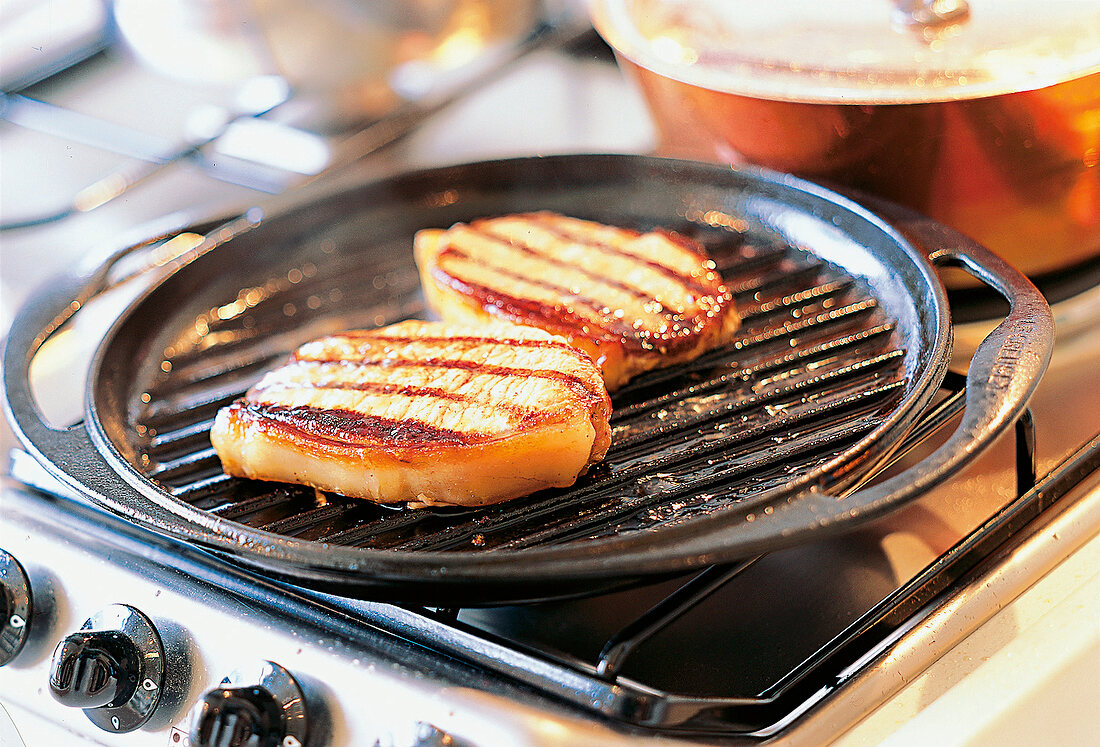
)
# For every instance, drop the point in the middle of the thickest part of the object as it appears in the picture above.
(60, 451)
(67, 452)
(1003, 374)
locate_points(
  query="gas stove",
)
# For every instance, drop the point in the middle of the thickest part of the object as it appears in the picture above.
(850, 638)
(708, 658)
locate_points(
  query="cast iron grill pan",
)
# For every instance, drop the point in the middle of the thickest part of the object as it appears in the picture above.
(845, 341)
(816, 366)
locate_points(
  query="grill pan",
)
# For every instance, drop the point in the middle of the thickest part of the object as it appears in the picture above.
(756, 446)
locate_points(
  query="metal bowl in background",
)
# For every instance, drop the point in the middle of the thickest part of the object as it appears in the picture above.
(353, 60)
(984, 116)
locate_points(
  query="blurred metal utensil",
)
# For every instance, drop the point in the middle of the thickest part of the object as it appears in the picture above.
(258, 97)
(39, 39)
(254, 98)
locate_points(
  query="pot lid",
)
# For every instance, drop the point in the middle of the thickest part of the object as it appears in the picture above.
(858, 51)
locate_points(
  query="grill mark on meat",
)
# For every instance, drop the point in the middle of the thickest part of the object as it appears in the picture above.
(681, 329)
(613, 326)
(573, 382)
(511, 268)
(472, 341)
(557, 319)
(686, 281)
(347, 428)
(517, 412)
(609, 328)
(432, 420)
(529, 250)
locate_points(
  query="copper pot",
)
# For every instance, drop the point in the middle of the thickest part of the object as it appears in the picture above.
(986, 117)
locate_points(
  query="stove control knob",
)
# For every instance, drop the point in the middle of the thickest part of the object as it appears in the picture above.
(15, 607)
(112, 668)
(262, 707)
(94, 669)
(237, 717)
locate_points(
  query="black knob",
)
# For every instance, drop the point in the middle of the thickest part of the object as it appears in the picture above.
(95, 669)
(112, 668)
(15, 607)
(238, 717)
(261, 706)
(5, 601)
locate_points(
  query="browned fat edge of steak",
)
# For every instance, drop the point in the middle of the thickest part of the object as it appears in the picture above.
(575, 383)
